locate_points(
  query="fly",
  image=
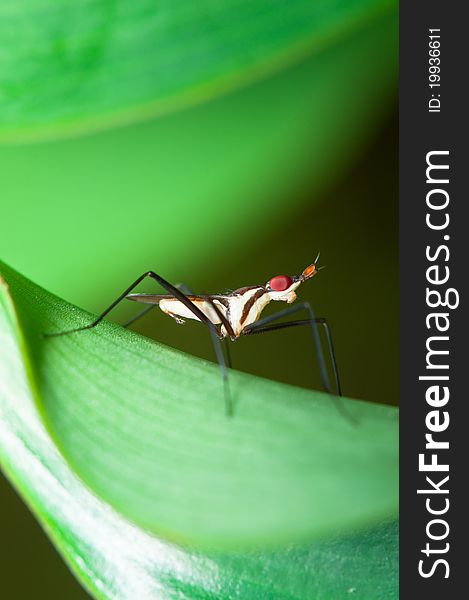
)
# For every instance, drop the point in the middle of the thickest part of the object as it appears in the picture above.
(228, 316)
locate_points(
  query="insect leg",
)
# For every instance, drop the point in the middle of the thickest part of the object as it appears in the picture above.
(260, 327)
(104, 313)
(216, 341)
(228, 353)
(181, 286)
(139, 315)
(184, 288)
(179, 295)
(228, 329)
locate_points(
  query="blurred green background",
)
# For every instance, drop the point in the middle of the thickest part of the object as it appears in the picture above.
(226, 193)
(357, 291)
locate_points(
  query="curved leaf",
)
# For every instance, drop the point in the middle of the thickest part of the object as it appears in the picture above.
(103, 61)
(116, 560)
(144, 427)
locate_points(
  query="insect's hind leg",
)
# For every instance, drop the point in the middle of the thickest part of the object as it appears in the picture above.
(139, 315)
(104, 313)
(180, 286)
(179, 295)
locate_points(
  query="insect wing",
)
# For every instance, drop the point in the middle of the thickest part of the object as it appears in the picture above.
(148, 298)
(156, 298)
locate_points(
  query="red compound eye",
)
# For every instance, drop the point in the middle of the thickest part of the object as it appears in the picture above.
(280, 283)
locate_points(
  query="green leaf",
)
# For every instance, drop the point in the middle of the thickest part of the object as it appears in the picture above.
(144, 427)
(114, 558)
(74, 65)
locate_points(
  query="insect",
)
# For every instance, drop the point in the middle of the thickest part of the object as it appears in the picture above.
(228, 316)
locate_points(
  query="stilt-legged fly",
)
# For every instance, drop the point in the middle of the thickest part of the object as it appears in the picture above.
(228, 316)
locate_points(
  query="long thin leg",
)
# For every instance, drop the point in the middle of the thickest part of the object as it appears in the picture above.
(313, 322)
(228, 353)
(146, 310)
(139, 315)
(318, 321)
(179, 295)
(181, 286)
(184, 288)
(260, 328)
(228, 329)
(224, 371)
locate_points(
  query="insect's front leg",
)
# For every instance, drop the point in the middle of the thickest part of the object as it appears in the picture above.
(262, 326)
